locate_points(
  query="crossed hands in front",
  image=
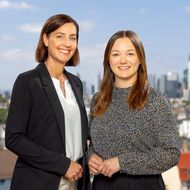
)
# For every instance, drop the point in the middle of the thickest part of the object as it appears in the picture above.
(74, 171)
(96, 165)
(106, 167)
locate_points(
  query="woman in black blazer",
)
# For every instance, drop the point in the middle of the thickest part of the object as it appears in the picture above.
(47, 122)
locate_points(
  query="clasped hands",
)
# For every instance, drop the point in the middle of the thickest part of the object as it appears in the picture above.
(106, 167)
(74, 171)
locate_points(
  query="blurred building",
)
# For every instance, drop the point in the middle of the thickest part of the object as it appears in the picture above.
(184, 170)
(152, 80)
(184, 129)
(173, 85)
(185, 79)
(162, 84)
(188, 83)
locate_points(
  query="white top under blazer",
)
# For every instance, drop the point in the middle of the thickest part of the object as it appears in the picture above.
(73, 136)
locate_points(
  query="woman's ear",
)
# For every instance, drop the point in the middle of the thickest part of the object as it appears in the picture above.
(45, 39)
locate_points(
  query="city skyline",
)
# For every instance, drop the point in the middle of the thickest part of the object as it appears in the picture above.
(165, 35)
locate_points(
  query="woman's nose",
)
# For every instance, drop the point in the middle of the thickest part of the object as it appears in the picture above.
(66, 42)
(123, 59)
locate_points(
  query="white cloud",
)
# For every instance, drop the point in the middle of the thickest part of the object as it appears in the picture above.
(7, 37)
(187, 9)
(86, 26)
(12, 54)
(30, 27)
(5, 4)
(16, 55)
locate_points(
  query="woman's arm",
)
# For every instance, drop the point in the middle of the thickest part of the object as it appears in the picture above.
(17, 138)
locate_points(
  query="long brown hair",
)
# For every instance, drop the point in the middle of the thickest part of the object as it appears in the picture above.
(139, 91)
(52, 24)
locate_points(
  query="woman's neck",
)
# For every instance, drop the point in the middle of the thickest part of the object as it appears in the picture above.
(55, 69)
(122, 85)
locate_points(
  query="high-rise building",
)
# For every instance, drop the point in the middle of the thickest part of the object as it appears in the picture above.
(173, 85)
(172, 76)
(152, 80)
(188, 84)
(185, 79)
(163, 84)
(92, 89)
(99, 80)
(85, 91)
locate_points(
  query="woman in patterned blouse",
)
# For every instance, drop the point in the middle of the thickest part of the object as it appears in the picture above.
(133, 131)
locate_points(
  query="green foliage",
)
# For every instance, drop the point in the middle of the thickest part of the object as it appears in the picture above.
(3, 115)
(4, 104)
(3, 99)
(186, 102)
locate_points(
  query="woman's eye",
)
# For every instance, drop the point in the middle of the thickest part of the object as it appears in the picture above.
(130, 54)
(73, 38)
(115, 54)
(59, 37)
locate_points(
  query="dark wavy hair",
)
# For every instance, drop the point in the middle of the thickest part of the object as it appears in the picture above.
(52, 24)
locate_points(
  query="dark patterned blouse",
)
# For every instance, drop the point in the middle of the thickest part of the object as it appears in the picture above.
(145, 141)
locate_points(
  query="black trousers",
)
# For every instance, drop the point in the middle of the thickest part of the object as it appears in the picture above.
(128, 182)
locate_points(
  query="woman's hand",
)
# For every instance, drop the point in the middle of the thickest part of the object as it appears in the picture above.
(94, 163)
(109, 167)
(74, 171)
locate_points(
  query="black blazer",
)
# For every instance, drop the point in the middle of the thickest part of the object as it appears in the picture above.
(35, 131)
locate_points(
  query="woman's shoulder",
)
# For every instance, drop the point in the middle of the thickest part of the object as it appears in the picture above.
(157, 97)
(25, 80)
(27, 76)
(94, 96)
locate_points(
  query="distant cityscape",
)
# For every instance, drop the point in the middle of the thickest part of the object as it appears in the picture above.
(178, 92)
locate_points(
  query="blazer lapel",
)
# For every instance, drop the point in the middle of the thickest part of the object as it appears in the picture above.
(52, 96)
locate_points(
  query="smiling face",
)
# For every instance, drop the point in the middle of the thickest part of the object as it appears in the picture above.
(124, 62)
(61, 43)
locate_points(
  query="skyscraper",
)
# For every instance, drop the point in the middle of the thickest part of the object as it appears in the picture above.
(188, 84)
(152, 80)
(163, 84)
(173, 89)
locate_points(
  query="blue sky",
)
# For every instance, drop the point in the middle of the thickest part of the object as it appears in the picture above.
(163, 26)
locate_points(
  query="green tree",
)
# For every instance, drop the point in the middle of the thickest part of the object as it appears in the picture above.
(3, 115)
(3, 99)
